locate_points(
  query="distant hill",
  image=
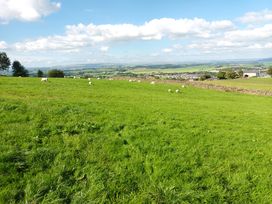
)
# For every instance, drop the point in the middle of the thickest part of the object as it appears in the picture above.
(266, 60)
(151, 66)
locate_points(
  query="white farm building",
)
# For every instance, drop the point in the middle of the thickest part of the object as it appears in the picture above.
(251, 73)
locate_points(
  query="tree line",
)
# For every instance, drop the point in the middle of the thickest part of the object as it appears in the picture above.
(18, 70)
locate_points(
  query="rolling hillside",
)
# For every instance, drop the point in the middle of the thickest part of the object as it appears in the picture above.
(118, 142)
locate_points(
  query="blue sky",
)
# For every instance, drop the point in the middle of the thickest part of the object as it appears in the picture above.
(46, 32)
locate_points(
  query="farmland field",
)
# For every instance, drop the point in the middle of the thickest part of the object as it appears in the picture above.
(119, 142)
(172, 70)
(250, 83)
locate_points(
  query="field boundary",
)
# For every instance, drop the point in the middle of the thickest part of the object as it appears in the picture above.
(229, 88)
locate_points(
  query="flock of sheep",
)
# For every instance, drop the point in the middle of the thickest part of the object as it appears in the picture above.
(45, 79)
(153, 83)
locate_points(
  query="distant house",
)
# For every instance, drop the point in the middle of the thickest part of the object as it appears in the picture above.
(251, 73)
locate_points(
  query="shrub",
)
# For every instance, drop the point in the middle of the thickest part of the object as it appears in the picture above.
(231, 75)
(240, 73)
(221, 75)
(269, 71)
(205, 76)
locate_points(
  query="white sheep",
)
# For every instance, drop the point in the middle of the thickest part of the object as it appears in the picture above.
(169, 90)
(90, 83)
(139, 81)
(98, 78)
(152, 82)
(183, 86)
(177, 90)
(89, 79)
(44, 79)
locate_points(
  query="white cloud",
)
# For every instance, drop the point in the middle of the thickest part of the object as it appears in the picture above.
(191, 38)
(260, 33)
(26, 10)
(167, 50)
(81, 35)
(3, 45)
(155, 29)
(256, 17)
(261, 46)
(104, 48)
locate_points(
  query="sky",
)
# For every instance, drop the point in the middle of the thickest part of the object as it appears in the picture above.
(42, 33)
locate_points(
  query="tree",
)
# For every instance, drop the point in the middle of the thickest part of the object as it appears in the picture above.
(269, 71)
(56, 73)
(221, 75)
(39, 73)
(240, 73)
(231, 74)
(4, 61)
(19, 70)
(205, 76)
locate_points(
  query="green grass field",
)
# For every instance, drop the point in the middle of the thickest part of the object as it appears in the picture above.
(119, 142)
(251, 83)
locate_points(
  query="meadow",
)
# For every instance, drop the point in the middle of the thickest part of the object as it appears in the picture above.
(118, 142)
(250, 83)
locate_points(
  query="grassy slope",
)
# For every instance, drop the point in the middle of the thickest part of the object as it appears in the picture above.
(251, 83)
(65, 141)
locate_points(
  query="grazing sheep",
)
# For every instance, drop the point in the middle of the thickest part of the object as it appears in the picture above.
(110, 79)
(44, 79)
(183, 86)
(90, 83)
(139, 81)
(169, 90)
(152, 82)
(130, 80)
(98, 78)
(74, 77)
(89, 79)
(177, 91)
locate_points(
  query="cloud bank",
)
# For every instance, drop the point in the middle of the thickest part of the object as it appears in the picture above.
(196, 37)
(87, 35)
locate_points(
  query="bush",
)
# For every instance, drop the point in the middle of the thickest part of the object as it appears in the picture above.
(269, 71)
(56, 73)
(221, 75)
(205, 76)
(240, 73)
(231, 75)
